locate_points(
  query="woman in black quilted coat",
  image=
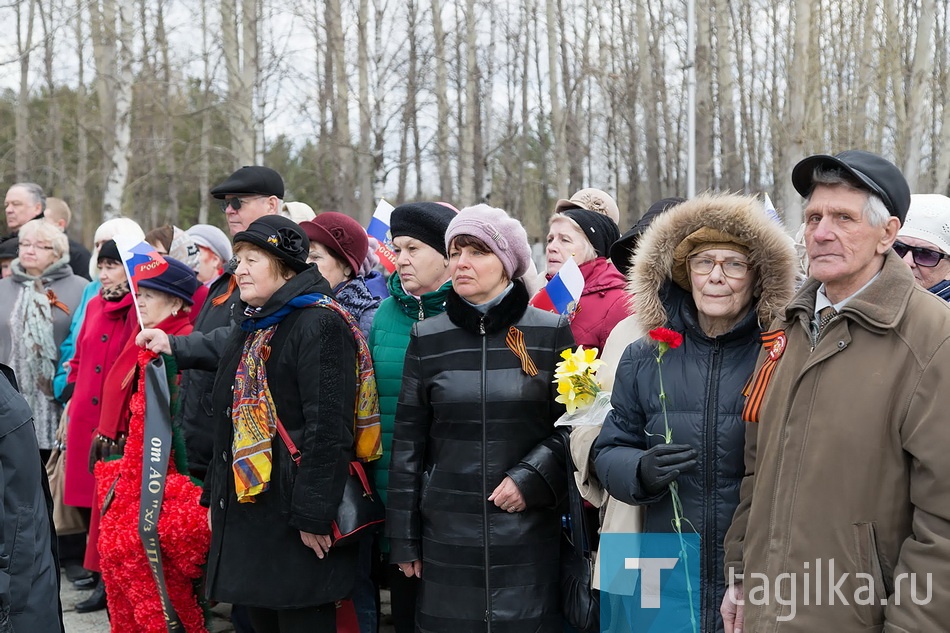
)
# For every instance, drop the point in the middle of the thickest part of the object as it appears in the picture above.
(476, 469)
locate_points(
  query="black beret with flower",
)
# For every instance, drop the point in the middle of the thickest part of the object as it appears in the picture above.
(281, 237)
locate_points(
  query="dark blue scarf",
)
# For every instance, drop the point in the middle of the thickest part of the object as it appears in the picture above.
(252, 323)
(942, 290)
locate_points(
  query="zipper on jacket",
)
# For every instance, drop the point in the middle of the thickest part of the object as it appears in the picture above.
(709, 481)
(481, 327)
(422, 312)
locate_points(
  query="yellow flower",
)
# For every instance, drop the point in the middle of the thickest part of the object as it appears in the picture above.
(576, 378)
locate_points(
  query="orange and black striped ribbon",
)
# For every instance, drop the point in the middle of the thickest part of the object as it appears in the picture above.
(232, 284)
(515, 341)
(756, 387)
(55, 302)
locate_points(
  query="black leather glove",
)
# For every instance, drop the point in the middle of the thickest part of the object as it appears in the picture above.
(662, 464)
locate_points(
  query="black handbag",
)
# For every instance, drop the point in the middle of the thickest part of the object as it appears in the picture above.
(361, 511)
(580, 602)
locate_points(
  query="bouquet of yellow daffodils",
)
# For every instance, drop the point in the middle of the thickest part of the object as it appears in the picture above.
(579, 389)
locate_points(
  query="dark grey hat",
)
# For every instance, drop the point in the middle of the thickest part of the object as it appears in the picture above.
(870, 171)
(251, 180)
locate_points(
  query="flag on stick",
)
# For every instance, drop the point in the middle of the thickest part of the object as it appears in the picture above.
(141, 261)
(379, 228)
(562, 293)
(771, 211)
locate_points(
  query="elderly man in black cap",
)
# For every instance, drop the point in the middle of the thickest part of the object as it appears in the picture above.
(844, 518)
(248, 194)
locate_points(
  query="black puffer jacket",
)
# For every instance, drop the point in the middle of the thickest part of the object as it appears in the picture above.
(703, 379)
(194, 413)
(256, 557)
(468, 416)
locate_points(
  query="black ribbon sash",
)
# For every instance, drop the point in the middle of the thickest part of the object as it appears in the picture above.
(156, 450)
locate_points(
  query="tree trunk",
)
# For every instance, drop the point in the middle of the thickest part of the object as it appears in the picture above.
(170, 176)
(24, 44)
(469, 116)
(704, 104)
(204, 147)
(87, 221)
(118, 173)
(240, 61)
(917, 103)
(558, 120)
(733, 173)
(55, 118)
(342, 150)
(446, 191)
(794, 142)
(365, 163)
(651, 124)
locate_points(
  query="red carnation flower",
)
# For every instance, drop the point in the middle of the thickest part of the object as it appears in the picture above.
(668, 336)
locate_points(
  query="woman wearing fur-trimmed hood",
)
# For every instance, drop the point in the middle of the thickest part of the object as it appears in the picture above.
(715, 269)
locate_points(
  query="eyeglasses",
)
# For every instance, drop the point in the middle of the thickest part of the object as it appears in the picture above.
(926, 257)
(25, 246)
(732, 268)
(236, 203)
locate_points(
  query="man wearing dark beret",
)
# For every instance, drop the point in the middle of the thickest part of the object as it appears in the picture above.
(845, 507)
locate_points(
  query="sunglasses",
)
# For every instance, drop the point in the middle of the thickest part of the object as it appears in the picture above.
(236, 203)
(926, 257)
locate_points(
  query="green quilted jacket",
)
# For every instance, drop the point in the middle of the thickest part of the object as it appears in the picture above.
(388, 340)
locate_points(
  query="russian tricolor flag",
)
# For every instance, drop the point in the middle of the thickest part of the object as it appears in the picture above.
(379, 228)
(771, 211)
(562, 293)
(141, 259)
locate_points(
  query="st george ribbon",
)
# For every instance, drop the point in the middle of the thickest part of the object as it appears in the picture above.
(156, 445)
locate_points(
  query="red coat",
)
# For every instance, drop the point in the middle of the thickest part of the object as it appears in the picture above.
(105, 330)
(603, 304)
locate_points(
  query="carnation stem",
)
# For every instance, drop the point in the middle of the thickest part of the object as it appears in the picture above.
(678, 516)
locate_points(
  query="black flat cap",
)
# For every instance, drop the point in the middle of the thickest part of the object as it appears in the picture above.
(251, 180)
(870, 171)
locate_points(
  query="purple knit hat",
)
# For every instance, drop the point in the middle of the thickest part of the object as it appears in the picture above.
(503, 234)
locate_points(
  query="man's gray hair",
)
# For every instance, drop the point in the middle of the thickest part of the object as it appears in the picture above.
(875, 211)
(35, 191)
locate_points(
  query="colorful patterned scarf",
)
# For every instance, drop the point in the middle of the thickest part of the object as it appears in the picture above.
(254, 414)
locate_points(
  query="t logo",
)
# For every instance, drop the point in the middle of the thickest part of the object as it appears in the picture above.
(649, 583)
(650, 569)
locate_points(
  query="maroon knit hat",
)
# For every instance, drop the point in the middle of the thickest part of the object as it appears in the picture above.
(341, 234)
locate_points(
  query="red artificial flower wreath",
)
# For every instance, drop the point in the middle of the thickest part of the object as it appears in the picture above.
(134, 603)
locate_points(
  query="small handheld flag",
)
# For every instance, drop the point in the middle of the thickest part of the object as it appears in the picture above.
(562, 293)
(141, 261)
(379, 228)
(771, 211)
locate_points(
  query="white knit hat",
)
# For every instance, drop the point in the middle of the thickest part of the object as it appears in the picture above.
(928, 219)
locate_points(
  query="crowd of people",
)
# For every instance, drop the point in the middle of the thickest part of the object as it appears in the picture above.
(799, 419)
